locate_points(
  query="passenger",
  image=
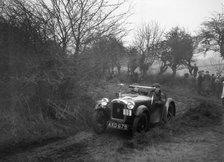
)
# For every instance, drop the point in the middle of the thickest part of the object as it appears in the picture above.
(206, 83)
(195, 70)
(199, 83)
(213, 84)
(222, 96)
(218, 85)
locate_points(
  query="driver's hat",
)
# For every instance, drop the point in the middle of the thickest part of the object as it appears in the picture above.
(157, 85)
(135, 89)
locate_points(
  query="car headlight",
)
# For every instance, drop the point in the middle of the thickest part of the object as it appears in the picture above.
(130, 105)
(104, 102)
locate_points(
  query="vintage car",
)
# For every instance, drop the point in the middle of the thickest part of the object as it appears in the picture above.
(135, 110)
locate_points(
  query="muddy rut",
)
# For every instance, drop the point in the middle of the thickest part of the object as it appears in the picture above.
(185, 142)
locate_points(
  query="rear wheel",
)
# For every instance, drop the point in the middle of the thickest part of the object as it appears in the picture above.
(140, 124)
(171, 113)
(99, 121)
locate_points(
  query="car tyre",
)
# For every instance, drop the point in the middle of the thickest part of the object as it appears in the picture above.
(171, 113)
(140, 124)
(99, 121)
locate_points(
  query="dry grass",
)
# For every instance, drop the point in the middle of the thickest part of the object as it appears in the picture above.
(205, 115)
(22, 128)
(23, 123)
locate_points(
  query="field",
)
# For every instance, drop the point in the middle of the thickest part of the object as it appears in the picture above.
(196, 134)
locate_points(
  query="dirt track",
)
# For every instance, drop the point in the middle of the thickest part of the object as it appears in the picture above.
(199, 144)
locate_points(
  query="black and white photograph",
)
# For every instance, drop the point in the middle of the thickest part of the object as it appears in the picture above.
(111, 80)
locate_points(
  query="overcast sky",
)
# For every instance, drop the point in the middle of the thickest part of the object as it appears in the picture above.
(169, 13)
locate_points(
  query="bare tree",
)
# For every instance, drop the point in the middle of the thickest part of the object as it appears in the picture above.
(57, 25)
(77, 23)
(176, 51)
(24, 14)
(147, 42)
(212, 34)
(181, 48)
(133, 61)
(1, 7)
(107, 54)
(190, 60)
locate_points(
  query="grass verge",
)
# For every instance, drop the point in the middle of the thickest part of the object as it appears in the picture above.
(205, 115)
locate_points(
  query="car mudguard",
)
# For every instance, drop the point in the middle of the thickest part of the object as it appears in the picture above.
(141, 109)
(166, 107)
(106, 109)
(97, 106)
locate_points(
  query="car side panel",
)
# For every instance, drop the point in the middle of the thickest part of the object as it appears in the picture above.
(156, 113)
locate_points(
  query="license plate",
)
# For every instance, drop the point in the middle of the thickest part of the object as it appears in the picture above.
(117, 125)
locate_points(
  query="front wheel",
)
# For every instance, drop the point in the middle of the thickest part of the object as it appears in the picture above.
(140, 124)
(99, 121)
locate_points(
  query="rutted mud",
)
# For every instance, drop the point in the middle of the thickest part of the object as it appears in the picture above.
(75, 151)
(195, 135)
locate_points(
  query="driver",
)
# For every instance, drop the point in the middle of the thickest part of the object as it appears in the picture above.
(134, 90)
(158, 94)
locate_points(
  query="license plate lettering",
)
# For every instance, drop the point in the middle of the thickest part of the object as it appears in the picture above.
(118, 125)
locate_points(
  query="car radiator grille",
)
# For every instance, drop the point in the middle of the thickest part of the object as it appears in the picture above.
(117, 111)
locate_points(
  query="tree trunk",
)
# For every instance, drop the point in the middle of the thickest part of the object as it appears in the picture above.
(162, 69)
(174, 69)
(77, 47)
(129, 70)
(119, 70)
(174, 73)
(190, 69)
(64, 47)
(222, 49)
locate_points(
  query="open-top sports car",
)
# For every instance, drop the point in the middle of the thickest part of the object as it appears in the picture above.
(135, 110)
